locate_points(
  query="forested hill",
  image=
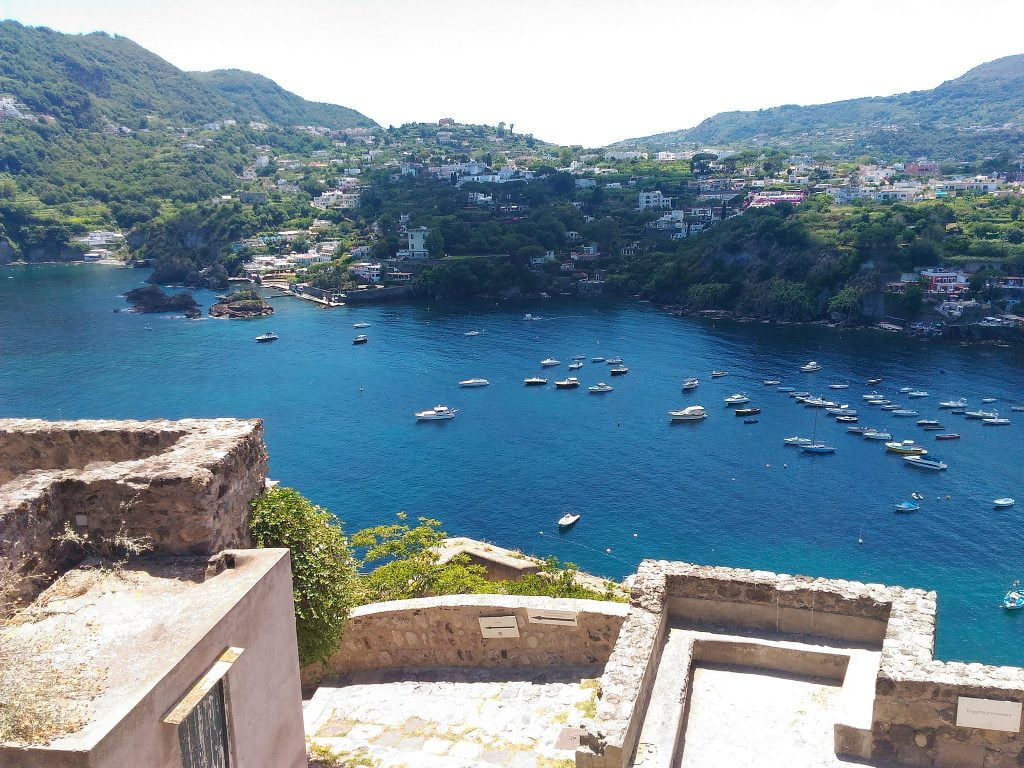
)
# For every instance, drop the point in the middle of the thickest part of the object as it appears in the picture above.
(979, 113)
(86, 81)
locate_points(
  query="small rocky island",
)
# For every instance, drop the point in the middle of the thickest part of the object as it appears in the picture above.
(241, 304)
(152, 298)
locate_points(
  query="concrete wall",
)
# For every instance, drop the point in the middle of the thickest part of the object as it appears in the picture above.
(186, 485)
(445, 632)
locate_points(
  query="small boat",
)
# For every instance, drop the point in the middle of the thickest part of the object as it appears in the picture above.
(953, 403)
(878, 435)
(838, 386)
(620, 370)
(771, 382)
(690, 413)
(995, 422)
(474, 383)
(263, 338)
(570, 383)
(1013, 598)
(690, 384)
(905, 390)
(578, 358)
(842, 410)
(873, 382)
(747, 411)
(750, 421)
(528, 316)
(890, 407)
(437, 413)
(873, 396)
(846, 419)
(905, 448)
(535, 381)
(799, 442)
(547, 362)
(798, 395)
(568, 520)
(360, 325)
(928, 423)
(737, 399)
(719, 374)
(917, 393)
(932, 427)
(1004, 503)
(599, 388)
(959, 411)
(785, 389)
(575, 366)
(471, 333)
(810, 367)
(597, 359)
(917, 496)
(923, 462)
(360, 339)
(988, 399)
(948, 436)
(907, 506)
(981, 414)
(1017, 408)
(614, 360)
(818, 448)
(857, 430)
(903, 412)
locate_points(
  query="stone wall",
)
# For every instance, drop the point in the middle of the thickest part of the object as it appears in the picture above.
(185, 485)
(445, 632)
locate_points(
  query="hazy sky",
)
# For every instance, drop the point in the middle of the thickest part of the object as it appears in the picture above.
(583, 72)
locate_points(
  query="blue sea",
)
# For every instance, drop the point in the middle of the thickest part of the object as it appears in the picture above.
(340, 428)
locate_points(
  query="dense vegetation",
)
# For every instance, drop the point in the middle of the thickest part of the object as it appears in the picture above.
(396, 561)
(942, 123)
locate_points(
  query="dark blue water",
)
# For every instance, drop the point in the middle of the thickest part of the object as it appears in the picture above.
(340, 427)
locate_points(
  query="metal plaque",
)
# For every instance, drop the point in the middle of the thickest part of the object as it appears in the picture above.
(499, 626)
(991, 714)
(563, 618)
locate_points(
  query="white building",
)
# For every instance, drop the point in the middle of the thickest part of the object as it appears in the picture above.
(417, 244)
(336, 198)
(309, 259)
(654, 200)
(364, 270)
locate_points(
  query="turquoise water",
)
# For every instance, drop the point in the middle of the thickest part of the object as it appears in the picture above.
(340, 428)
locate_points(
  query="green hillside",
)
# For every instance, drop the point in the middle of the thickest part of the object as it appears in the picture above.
(980, 113)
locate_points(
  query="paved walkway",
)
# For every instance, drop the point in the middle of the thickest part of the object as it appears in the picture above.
(456, 718)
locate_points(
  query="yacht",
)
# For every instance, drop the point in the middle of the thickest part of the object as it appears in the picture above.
(690, 384)
(719, 374)
(599, 388)
(875, 434)
(905, 448)
(547, 362)
(360, 339)
(360, 325)
(771, 382)
(690, 413)
(568, 520)
(263, 338)
(838, 386)
(917, 393)
(953, 403)
(437, 413)
(575, 365)
(981, 415)
(925, 463)
(535, 381)
(569, 383)
(737, 399)
(797, 441)
(995, 422)
(810, 367)
(474, 383)
(619, 370)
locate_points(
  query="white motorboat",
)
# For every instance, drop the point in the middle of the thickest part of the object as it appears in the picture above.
(719, 374)
(995, 422)
(917, 393)
(575, 365)
(797, 441)
(857, 430)
(471, 333)
(360, 339)
(568, 520)
(905, 448)
(846, 419)
(798, 395)
(961, 403)
(771, 382)
(981, 415)
(890, 407)
(547, 362)
(690, 413)
(579, 357)
(905, 390)
(534, 381)
(988, 399)
(613, 360)
(925, 463)
(474, 383)
(873, 396)
(690, 384)
(528, 316)
(1017, 408)
(437, 413)
(599, 388)
(738, 399)
(875, 434)
(263, 338)
(838, 386)
(597, 359)
(569, 383)
(360, 325)
(810, 367)
(619, 370)
(842, 410)
(1004, 503)
(904, 412)
(785, 389)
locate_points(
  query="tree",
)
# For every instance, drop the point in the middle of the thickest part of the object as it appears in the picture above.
(323, 569)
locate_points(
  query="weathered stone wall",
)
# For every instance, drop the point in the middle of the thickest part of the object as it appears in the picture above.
(445, 632)
(186, 485)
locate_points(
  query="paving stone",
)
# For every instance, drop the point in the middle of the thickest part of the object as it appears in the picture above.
(436, 746)
(496, 757)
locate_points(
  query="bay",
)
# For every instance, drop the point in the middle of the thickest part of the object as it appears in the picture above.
(340, 428)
